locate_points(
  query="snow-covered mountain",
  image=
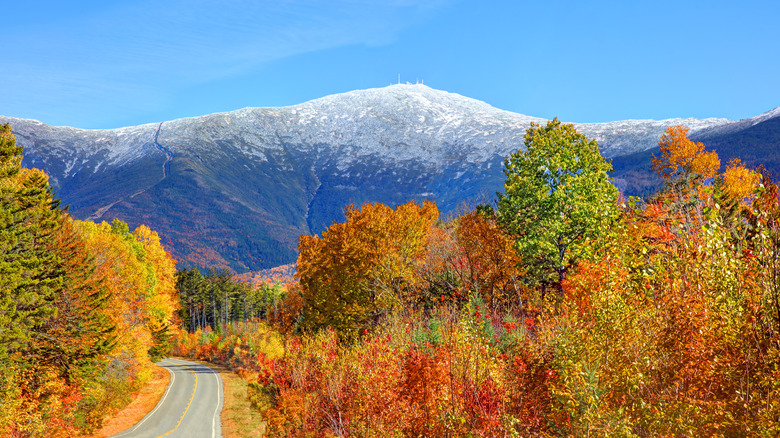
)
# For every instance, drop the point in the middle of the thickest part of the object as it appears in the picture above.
(237, 188)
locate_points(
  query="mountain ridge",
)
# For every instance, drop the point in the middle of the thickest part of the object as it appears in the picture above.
(235, 189)
(370, 97)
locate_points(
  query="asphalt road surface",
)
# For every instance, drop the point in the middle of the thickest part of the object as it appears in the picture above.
(189, 408)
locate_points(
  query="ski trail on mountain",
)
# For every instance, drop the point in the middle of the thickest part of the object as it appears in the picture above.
(166, 167)
(166, 170)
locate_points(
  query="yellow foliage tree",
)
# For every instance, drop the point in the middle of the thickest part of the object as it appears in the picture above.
(740, 182)
(362, 267)
(140, 277)
(163, 301)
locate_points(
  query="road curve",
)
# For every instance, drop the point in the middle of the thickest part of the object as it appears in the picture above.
(189, 408)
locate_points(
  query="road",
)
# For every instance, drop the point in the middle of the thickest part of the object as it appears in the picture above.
(189, 408)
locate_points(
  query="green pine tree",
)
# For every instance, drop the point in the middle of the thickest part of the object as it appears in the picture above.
(29, 272)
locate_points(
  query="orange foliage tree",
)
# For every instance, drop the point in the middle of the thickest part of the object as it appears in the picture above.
(491, 263)
(684, 166)
(682, 156)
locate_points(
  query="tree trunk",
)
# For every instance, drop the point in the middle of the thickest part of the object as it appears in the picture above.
(214, 310)
(561, 277)
(193, 316)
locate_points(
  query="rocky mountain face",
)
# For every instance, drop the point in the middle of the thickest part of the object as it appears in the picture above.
(236, 189)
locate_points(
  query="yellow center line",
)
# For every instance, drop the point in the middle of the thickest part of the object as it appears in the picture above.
(188, 404)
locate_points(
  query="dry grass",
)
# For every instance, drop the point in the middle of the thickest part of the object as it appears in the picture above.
(141, 404)
(239, 420)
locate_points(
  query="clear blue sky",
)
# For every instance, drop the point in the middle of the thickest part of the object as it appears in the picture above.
(108, 63)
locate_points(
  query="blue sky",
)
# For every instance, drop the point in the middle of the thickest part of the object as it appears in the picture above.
(110, 63)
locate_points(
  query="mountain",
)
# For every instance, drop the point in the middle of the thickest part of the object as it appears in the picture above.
(756, 141)
(236, 189)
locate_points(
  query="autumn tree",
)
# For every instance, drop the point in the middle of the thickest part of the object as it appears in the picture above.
(162, 299)
(740, 183)
(693, 185)
(362, 267)
(682, 157)
(140, 277)
(764, 218)
(490, 261)
(557, 197)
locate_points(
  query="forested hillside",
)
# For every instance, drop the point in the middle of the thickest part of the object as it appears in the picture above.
(565, 311)
(84, 308)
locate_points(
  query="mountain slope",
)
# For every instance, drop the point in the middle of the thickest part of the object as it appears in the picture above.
(236, 189)
(756, 141)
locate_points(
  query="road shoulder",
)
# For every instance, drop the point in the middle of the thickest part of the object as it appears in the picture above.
(239, 419)
(141, 404)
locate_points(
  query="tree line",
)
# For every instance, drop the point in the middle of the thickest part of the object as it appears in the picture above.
(217, 299)
(85, 308)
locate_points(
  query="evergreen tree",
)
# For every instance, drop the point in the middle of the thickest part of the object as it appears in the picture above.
(29, 269)
(81, 333)
(10, 272)
(192, 288)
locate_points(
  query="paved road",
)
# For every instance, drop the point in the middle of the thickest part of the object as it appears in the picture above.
(189, 408)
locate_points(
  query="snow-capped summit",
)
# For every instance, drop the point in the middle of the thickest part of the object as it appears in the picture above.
(237, 188)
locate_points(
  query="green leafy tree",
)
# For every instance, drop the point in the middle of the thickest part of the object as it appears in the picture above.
(557, 197)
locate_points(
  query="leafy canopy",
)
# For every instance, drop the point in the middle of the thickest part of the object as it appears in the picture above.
(681, 156)
(360, 268)
(557, 196)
